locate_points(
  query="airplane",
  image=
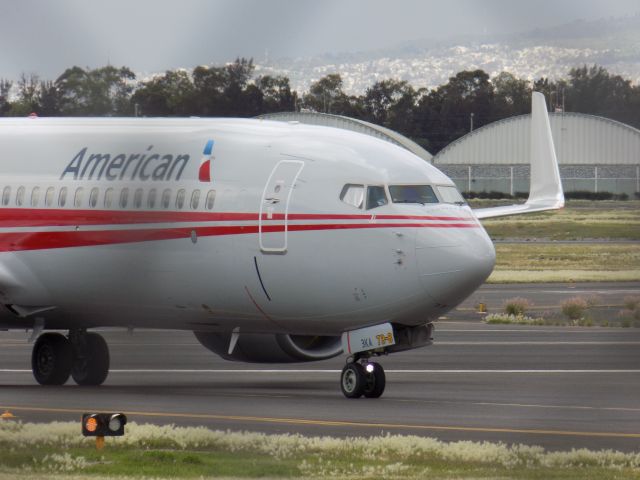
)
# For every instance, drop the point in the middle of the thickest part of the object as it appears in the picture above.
(271, 241)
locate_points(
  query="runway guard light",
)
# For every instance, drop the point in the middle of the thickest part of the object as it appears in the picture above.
(103, 424)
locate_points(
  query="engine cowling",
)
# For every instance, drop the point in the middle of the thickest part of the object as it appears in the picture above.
(270, 348)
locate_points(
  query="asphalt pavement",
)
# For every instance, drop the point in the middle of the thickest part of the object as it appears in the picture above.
(558, 387)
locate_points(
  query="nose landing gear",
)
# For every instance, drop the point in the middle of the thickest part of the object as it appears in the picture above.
(360, 377)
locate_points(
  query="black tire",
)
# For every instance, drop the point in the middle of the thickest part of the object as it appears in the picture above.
(51, 359)
(91, 366)
(376, 381)
(352, 380)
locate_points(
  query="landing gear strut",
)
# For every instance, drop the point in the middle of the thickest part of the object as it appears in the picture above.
(361, 377)
(84, 356)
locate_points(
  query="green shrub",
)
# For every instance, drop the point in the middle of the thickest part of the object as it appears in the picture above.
(516, 306)
(587, 195)
(574, 308)
(632, 303)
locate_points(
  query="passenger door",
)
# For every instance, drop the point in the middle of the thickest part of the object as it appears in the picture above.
(274, 206)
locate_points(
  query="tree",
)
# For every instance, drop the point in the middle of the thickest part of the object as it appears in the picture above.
(392, 104)
(48, 99)
(549, 89)
(171, 94)
(209, 84)
(238, 100)
(5, 90)
(276, 94)
(512, 95)
(327, 96)
(594, 90)
(27, 101)
(450, 109)
(102, 92)
(225, 91)
(323, 93)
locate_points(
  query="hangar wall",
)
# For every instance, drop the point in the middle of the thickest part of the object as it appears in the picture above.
(595, 154)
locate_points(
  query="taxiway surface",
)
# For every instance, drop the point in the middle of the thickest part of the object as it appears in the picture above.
(558, 387)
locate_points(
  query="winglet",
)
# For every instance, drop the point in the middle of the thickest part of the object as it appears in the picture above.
(545, 192)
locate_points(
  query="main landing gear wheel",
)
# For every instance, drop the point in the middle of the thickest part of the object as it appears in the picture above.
(52, 359)
(91, 360)
(357, 380)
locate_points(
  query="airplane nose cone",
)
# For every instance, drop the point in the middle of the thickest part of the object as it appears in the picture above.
(453, 263)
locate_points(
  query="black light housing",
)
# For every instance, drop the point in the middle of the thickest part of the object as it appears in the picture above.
(103, 424)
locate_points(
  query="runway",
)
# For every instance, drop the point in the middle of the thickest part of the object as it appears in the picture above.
(558, 387)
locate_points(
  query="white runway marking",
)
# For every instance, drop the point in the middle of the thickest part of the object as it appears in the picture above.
(435, 343)
(521, 405)
(286, 371)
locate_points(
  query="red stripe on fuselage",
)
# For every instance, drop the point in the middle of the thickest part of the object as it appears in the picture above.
(20, 241)
(30, 217)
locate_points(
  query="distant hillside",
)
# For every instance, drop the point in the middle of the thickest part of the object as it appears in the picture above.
(613, 43)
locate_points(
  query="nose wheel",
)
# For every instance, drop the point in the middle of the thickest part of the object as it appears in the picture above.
(360, 378)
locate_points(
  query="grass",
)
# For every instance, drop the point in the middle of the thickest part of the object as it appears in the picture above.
(554, 321)
(566, 262)
(510, 319)
(579, 220)
(59, 451)
(601, 260)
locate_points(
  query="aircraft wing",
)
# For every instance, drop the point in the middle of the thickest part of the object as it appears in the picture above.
(545, 192)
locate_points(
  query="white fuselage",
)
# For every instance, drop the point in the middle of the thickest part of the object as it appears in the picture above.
(269, 245)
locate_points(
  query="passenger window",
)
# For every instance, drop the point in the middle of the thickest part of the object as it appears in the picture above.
(93, 197)
(77, 200)
(151, 199)
(195, 199)
(48, 197)
(35, 196)
(376, 197)
(137, 198)
(108, 198)
(352, 195)
(180, 198)
(166, 198)
(124, 197)
(412, 194)
(211, 198)
(62, 197)
(6, 195)
(20, 196)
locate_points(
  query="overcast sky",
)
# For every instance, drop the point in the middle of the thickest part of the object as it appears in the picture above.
(47, 36)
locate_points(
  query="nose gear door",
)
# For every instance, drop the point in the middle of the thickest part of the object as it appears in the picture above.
(274, 206)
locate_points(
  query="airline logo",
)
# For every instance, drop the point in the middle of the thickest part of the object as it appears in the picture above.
(204, 174)
(144, 166)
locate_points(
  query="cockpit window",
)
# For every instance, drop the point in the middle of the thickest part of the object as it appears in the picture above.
(353, 195)
(376, 197)
(451, 195)
(412, 194)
